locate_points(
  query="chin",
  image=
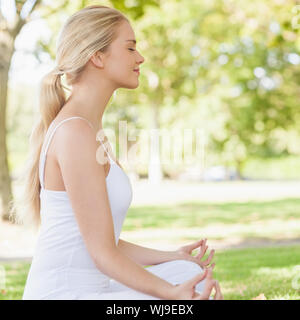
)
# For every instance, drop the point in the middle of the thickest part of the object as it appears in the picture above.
(131, 85)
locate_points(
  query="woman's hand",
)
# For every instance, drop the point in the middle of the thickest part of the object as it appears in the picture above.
(186, 290)
(185, 253)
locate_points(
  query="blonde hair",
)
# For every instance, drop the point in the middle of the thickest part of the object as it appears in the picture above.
(87, 31)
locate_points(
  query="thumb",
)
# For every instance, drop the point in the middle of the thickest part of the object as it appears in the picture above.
(199, 277)
(195, 244)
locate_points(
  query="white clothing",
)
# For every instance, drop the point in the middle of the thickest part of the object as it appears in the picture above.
(62, 267)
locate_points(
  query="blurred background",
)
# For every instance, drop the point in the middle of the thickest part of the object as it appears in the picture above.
(224, 77)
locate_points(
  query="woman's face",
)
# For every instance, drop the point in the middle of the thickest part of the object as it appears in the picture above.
(122, 58)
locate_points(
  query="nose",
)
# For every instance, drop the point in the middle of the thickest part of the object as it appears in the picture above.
(141, 59)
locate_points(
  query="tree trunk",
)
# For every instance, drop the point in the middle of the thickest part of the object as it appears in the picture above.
(154, 169)
(6, 195)
(239, 168)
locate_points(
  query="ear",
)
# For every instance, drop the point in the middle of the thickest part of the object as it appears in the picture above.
(97, 59)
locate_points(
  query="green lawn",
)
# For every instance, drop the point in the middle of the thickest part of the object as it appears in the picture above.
(246, 273)
(198, 213)
(265, 220)
(243, 274)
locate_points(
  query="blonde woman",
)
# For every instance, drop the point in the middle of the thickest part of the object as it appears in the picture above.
(79, 201)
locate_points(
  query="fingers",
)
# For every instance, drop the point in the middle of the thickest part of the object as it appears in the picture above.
(199, 277)
(213, 265)
(205, 295)
(191, 284)
(202, 250)
(208, 260)
(209, 285)
(218, 295)
(210, 272)
(195, 245)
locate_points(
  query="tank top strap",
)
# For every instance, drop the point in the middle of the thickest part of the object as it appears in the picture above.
(44, 153)
(105, 149)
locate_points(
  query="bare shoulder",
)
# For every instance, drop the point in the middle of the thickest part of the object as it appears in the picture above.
(75, 132)
(76, 150)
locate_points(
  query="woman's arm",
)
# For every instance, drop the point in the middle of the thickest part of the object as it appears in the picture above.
(85, 183)
(146, 256)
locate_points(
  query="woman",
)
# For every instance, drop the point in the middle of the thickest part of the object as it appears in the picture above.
(79, 200)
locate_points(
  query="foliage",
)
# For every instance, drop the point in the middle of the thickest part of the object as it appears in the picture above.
(232, 72)
(218, 66)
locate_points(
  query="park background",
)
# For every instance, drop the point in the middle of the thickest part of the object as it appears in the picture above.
(228, 69)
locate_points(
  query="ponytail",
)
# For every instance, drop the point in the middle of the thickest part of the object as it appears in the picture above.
(52, 99)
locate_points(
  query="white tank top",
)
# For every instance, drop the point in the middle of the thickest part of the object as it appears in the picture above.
(61, 266)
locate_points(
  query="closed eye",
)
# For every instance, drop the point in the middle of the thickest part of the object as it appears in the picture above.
(131, 49)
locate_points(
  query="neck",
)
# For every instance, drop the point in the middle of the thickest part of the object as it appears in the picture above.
(89, 103)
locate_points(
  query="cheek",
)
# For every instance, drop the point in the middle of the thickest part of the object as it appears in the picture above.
(120, 61)
(121, 67)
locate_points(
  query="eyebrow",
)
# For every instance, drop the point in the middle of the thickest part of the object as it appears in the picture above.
(132, 41)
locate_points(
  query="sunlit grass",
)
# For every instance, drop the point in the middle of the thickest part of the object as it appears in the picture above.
(246, 273)
(271, 220)
(193, 214)
(243, 274)
(15, 278)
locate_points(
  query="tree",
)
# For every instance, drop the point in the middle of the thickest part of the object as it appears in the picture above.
(244, 62)
(8, 34)
(260, 97)
(166, 36)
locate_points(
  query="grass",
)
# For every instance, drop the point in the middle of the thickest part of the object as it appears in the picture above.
(267, 220)
(15, 276)
(192, 214)
(243, 274)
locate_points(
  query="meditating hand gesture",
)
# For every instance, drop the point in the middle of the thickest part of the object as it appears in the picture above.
(186, 290)
(185, 253)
